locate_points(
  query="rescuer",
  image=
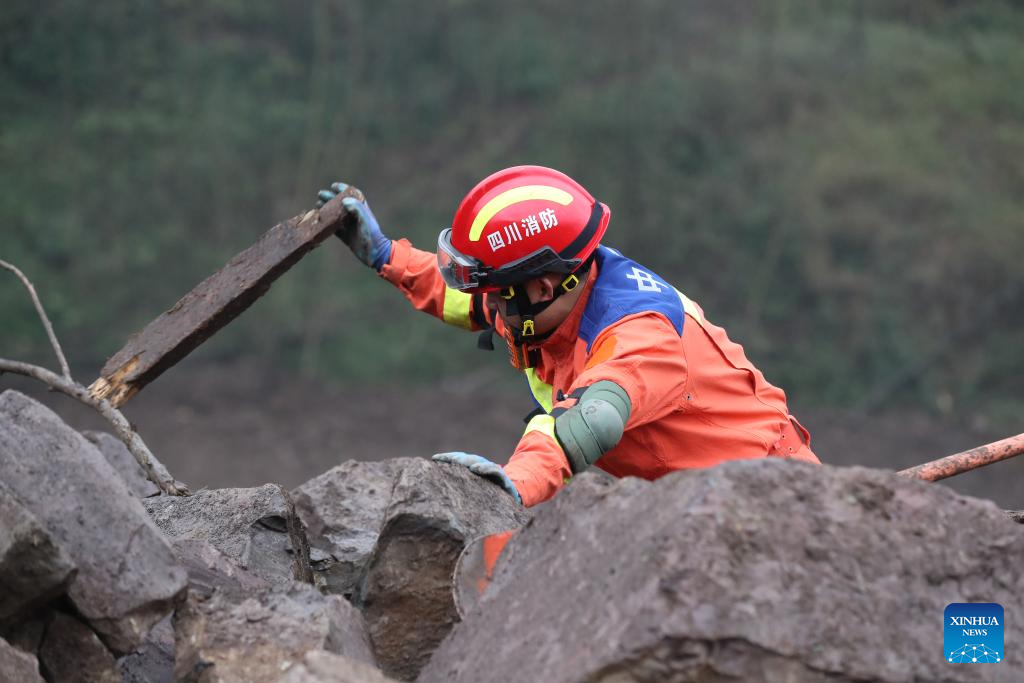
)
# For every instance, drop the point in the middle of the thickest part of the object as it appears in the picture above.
(626, 372)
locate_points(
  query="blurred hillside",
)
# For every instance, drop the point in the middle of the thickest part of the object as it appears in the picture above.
(839, 185)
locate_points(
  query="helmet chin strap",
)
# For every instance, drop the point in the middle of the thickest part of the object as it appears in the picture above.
(518, 303)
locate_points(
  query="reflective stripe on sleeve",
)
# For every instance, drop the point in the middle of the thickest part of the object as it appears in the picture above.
(542, 391)
(456, 308)
(545, 424)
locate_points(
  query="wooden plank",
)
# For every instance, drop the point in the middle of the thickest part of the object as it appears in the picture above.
(214, 302)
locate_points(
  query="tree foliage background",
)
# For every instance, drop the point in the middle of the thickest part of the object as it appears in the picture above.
(839, 184)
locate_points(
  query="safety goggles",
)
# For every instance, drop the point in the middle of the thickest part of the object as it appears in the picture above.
(464, 273)
(459, 271)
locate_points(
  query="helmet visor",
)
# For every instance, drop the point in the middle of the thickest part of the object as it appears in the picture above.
(459, 271)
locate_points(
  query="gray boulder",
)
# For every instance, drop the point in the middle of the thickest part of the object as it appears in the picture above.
(33, 568)
(760, 570)
(325, 667)
(392, 532)
(123, 462)
(343, 511)
(127, 578)
(17, 666)
(255, 637)
(255, 527)
(71, 651)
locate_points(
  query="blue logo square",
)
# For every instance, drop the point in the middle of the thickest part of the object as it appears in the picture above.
(973, 632)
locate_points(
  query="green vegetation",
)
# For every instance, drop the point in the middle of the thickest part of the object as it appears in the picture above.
(838, 184)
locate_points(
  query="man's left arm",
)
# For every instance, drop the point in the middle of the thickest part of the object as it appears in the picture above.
(635, 373)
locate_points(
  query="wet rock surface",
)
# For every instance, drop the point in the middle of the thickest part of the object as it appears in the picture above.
(33, 568)
(256, 528)
(257, 636)
(123, 462)
(393, 532)
(18, 666)
(127, 577)
(762, 570)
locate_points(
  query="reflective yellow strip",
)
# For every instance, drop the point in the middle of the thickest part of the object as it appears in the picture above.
(542, 391)
(456, 308)
(545, 424)
(514, 196)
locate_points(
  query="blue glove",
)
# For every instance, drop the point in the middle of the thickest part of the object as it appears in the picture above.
(359, 230)
(482, 467)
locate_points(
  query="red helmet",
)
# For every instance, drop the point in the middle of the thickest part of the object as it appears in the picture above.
(518, 224)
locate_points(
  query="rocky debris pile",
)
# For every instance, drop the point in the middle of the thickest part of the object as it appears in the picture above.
(81, 561)
(387, 536)
(761, 570)
(101, 580)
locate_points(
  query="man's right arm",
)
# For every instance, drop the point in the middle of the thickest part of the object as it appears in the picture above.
(412, 271)
(415, 274)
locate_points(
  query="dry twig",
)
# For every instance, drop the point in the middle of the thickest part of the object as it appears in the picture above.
(65, 384)
(42, 316)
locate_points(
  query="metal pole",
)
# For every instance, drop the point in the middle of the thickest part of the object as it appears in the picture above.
(958, 463)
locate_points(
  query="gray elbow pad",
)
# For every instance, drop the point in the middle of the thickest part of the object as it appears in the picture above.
(594, 425)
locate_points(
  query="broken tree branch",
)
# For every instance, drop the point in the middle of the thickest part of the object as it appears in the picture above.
(153, 468)
(42, 316)
(958, 463)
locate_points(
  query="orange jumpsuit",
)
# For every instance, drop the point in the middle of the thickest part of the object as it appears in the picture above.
(696, 399)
